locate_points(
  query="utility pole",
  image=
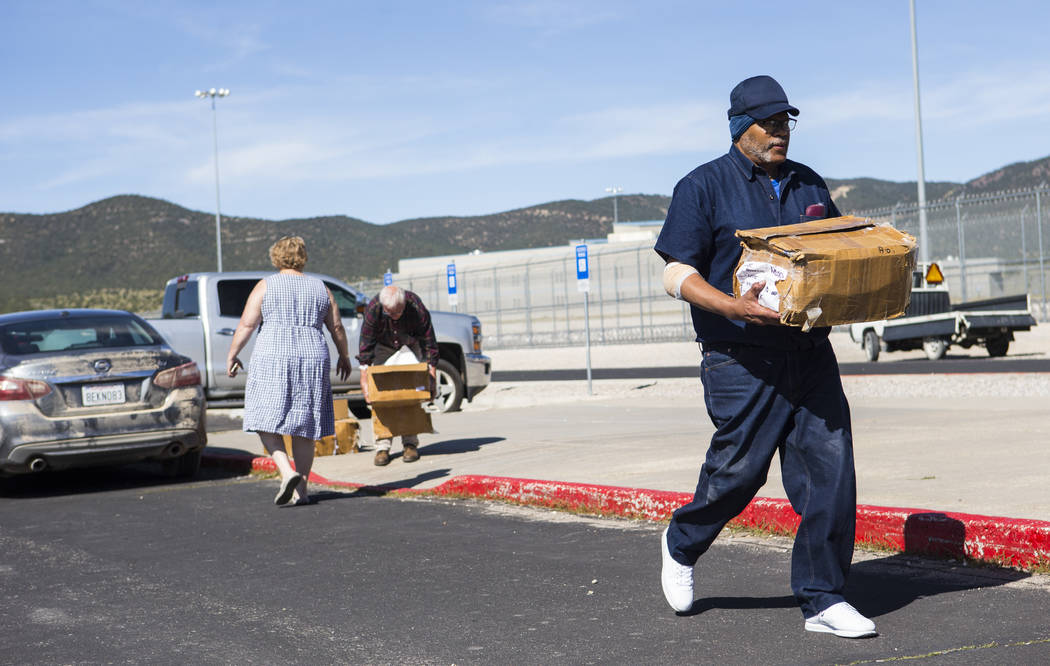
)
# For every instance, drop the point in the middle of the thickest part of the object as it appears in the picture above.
(212, 94)
(924, 251)
(615, 190)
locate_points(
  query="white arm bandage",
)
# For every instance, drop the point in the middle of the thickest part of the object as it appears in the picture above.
(675, 274)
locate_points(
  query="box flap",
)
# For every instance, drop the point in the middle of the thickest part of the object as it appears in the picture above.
(844, 223)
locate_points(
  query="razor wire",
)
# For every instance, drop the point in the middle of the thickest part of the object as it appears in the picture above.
(986, 246)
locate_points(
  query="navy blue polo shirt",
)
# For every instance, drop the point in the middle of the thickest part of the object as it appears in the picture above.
(709, 205)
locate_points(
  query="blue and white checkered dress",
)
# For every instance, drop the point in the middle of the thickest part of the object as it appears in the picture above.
(289, 388)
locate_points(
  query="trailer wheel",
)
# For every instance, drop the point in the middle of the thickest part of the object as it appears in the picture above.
(935, 348)
(997, 346)
(871, 345)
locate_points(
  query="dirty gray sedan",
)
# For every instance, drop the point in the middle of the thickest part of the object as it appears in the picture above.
(95, 387)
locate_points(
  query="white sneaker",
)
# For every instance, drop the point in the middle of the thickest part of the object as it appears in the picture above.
(842, 620)
(676, 579)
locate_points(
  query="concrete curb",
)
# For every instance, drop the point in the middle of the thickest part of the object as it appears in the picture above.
(1011, 542)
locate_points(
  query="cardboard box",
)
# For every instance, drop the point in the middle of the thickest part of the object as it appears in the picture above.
(399, 420)
(341, 406)
(398, 385)
(322, 447)
(827, 272)
(347, 431)
(343, 441)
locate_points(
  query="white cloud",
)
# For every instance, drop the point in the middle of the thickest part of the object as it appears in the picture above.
(973, 98)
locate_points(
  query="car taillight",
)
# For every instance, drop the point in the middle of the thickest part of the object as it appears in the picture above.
(186, 374)
(13, 388)
(476, 327)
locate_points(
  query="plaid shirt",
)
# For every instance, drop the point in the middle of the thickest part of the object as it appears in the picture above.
(413, 328)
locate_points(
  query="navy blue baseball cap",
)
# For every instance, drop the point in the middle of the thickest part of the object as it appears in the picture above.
(759, 97)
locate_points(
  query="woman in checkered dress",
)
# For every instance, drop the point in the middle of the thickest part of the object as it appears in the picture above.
(288, 391)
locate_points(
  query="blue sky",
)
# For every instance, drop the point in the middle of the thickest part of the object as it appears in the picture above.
(387, 111)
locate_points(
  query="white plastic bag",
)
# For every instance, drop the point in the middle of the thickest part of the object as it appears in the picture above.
(751, 272)
(403, 356)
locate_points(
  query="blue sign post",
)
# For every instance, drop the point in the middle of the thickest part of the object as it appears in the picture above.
(453, 297)
(388, 279)
(583, 283)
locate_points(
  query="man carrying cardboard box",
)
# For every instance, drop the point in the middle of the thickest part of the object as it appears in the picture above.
(396, 318)
(767, 387)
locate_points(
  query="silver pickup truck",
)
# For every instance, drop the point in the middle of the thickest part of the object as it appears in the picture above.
(201, 311)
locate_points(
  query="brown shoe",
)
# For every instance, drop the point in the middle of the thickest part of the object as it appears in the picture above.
(411, 453)
(382, 458)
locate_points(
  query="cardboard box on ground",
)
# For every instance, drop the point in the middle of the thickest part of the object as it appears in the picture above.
(345, 440)
(839, 270)
(397, 394)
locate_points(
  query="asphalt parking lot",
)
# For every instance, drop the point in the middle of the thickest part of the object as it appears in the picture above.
(120, 566)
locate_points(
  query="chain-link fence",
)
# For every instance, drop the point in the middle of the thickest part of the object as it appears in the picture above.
(987, 246)
(537, 303)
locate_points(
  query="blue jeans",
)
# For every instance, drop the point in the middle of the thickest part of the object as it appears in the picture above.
(762, 401)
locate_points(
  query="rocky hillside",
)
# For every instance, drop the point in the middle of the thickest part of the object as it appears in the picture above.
(123, 249)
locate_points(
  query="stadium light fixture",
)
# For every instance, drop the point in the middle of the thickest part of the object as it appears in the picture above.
(211, 94)
(615, 190)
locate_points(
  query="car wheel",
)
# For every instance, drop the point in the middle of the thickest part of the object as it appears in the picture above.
(934, 348)
(185, 466)
(450, 389)
(871, 345)
(997, 346)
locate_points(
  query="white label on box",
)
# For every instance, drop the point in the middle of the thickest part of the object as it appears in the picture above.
(751, 272)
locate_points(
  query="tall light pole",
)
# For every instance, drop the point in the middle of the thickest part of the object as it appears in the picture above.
(615, 190)
(212, 94)
(924, 251)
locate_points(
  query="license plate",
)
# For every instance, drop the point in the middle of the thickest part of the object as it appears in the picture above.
(102, 394)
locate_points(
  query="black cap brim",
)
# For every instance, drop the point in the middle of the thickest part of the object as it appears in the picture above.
(771, 109)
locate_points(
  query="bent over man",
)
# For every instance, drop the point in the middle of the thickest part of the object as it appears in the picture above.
(396, 318)
(768, 388)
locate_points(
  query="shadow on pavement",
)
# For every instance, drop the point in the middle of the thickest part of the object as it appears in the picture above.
(382, 489)
(414, 481)
(884, 585)
(704, 604)
(881, 586)
(103, 479)
(450, 446)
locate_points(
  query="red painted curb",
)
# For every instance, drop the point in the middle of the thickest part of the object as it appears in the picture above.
(1010, 542)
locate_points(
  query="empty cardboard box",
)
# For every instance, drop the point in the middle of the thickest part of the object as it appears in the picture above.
(397, 385)
(390, 422)
(397, 394)
(827, 272)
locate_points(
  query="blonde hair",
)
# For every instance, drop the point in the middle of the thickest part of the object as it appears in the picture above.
(289, 252)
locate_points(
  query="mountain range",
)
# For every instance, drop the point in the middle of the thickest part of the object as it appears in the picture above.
(119, 252)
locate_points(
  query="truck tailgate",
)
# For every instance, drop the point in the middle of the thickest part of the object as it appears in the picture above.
(932, 326)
